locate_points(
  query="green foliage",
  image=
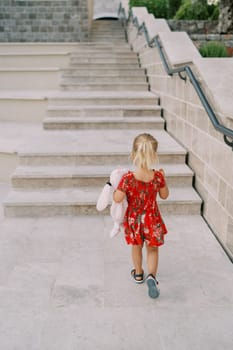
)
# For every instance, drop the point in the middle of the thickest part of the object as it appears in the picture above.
(173, 7)
(213, 12)
(181, 9)
(213, 49)
(192, 10)
(149, 4)
(197, 10)
(159, 8)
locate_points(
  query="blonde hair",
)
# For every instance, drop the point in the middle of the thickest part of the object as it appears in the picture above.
(144, 151)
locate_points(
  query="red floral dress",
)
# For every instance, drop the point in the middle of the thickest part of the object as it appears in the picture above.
(143, 221)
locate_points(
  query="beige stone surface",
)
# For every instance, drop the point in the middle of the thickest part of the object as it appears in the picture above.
(45, 48)
(210, 158)
(29, 79)
(217, 75)
(33, 59)
(179, 48)
(65, 284)
(155, 27)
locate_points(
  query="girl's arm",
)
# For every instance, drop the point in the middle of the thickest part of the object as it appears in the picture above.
(164, 191)
(118, 196)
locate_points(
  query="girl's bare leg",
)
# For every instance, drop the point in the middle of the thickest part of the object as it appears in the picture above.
(137, 258)
(152, 259)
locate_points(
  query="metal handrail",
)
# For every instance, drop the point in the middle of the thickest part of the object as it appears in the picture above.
(125, 20)
(227, 133)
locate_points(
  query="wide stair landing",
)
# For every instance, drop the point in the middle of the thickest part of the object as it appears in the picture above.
(103, 103)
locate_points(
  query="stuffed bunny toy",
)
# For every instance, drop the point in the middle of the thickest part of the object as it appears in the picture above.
(117, 210)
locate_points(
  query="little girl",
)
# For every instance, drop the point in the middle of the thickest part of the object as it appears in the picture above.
(142, 221)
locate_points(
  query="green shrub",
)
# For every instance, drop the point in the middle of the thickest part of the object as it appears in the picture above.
(197, 10)
(159, 8)
(192, 10)
(173, 7)
(213, 49)
(181, 9)
(213, 12)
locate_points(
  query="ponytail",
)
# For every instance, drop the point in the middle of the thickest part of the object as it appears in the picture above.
(144, 152)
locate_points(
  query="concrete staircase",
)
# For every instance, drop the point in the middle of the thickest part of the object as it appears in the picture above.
(90, 124)
(108, 65)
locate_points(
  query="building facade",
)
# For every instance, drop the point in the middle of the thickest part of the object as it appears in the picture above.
(51, 20)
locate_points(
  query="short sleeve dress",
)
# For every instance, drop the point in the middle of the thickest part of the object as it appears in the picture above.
(143, 221)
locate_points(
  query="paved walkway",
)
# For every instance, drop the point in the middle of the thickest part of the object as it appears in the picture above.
(65, 285)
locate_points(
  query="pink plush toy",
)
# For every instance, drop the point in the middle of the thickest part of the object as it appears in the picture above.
(117, 210)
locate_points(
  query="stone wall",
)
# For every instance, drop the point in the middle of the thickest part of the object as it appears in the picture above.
(43, 20)
(202, 32)
(208, 155)
(193, 26)
(225, 39)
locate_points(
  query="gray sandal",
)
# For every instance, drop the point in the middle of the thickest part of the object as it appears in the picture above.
(152, 284)
(138, 278)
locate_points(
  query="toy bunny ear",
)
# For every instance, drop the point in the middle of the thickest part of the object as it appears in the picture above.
(103, 199)
(115, 230)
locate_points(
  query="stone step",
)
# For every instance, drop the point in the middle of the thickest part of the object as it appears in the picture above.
(106, 23)
(95, 98)
(107, 60)
(104, 54)
(82, 201)
(29, 177)
(102, 40)
(103, 50)
(93, 147)
(110, 111)
(107, 29)
(95, 158)
(113, 70)
(104, 29)
(104, 79)
(104, 110)
(102, 46)
(112, 32)
(104, 86)
(108, 37)
(103, 123)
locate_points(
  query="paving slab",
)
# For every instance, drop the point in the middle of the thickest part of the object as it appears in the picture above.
(23, 137)
(78, 141)
(64, 284)
(12, 134)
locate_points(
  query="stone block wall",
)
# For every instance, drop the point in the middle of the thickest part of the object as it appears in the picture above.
(202, 32)
(225, 39)
(208, 155)
(43, 20)
(193, 26)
